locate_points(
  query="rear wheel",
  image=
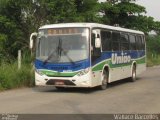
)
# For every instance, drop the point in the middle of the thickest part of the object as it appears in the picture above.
(134, 76)
(103, 86)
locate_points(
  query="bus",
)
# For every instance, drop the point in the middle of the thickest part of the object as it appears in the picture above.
(87, 55)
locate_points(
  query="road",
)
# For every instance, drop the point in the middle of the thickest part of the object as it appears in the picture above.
(142, 96)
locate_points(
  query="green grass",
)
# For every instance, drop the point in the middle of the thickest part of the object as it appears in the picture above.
(153, 60)
(11, 77)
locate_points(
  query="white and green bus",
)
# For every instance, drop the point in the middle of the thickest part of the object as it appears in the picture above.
(87, 55)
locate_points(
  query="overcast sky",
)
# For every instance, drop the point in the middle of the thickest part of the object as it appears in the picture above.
(152, 7)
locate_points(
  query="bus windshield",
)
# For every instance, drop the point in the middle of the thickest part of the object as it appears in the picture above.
(62, 45)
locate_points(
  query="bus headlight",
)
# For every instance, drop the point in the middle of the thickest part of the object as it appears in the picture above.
(39, 72)
(83, 72)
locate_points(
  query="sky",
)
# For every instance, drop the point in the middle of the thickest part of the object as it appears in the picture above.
(152, 8)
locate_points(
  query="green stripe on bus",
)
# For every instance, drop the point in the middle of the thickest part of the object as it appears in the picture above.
(141, 61)
(100, 66)
(58, 74)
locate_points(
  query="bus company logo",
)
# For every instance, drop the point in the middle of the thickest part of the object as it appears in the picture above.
(120, 59)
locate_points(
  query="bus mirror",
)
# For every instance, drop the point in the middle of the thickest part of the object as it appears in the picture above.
(97, 43)
(32, 39)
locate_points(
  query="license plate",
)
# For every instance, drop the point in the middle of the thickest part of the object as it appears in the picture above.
(59, 83)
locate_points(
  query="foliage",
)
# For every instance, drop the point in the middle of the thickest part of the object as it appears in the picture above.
(87, 11)
(157, 27)
(153, 50)
(10, 31)
(153, 59)
(153, 44)
(127, 14)
(11, 77)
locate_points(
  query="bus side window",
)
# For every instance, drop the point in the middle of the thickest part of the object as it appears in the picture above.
(115, 41)
(139, 42)
(106, 40)
(132, 39)
(124, 41)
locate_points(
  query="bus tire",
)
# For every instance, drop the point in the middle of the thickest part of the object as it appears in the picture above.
(134, 75)
(105, 75)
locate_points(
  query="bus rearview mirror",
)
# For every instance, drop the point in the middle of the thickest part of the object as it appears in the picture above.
(32, 40)
(97, 43)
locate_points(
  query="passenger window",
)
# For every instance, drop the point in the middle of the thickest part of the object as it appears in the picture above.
(124, 41)
(132, 39)
(139, 42)
(106, 40)
(115, 41)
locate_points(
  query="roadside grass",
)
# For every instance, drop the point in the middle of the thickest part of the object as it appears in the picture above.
(12, 77)
(153, 50)
(153, 60)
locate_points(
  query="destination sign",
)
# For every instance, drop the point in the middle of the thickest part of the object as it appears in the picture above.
(63, 31)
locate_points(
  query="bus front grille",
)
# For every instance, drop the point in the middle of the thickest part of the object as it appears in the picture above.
(55, 81)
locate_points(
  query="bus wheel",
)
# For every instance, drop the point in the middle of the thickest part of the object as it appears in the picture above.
(134, 76)
(103, 86)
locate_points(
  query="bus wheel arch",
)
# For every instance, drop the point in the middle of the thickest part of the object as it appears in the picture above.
(104, 78)
(133, 72)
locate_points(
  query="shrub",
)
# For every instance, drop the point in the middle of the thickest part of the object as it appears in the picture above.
(12, 77)
(153, 50)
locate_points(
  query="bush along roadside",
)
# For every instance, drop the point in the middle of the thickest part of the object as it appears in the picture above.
(153, 59)
(153, 50)
(12, 77)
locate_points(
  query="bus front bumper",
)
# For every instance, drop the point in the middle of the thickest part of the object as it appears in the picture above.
(75, 81)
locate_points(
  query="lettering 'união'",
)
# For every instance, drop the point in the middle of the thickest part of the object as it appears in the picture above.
(120, 59)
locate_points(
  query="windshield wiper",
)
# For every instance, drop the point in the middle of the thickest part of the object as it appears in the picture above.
(50, 56)
(58, 51)
(65, 53)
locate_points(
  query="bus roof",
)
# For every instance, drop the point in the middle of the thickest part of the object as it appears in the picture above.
(89, 25)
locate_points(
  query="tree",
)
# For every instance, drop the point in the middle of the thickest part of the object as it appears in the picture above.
(10, 23)
(127, 14)
(156, 27)
(87, 11)
(153, 44)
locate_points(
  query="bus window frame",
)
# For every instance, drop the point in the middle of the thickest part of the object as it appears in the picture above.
(119, 42)
(124, 33)
(110, 39)
(135, 43)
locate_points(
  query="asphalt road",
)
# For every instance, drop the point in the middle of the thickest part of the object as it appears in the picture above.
(142, 96)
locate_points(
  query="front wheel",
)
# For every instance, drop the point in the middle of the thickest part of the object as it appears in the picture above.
(103, 86)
